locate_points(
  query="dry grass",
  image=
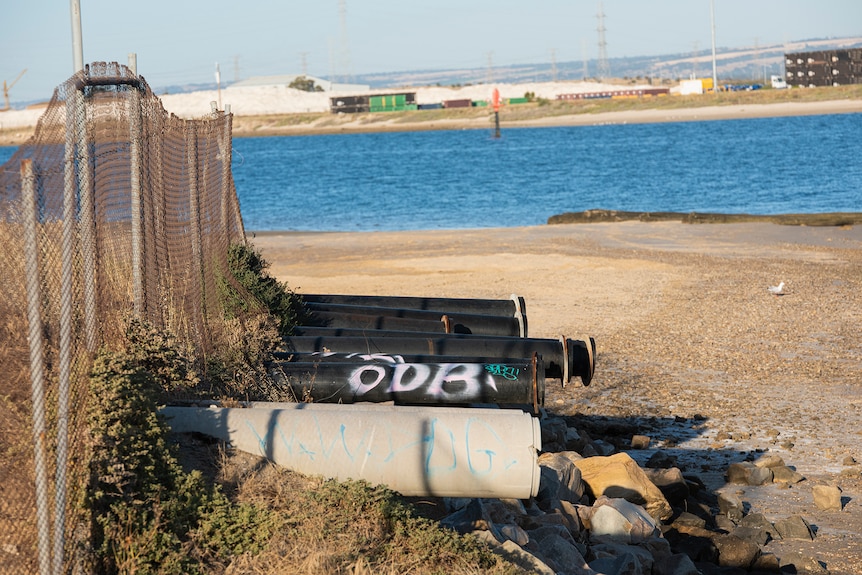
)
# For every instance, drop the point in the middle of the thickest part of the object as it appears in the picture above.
(337, 528)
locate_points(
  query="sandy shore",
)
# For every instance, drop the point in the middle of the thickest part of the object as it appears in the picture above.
(684, 327)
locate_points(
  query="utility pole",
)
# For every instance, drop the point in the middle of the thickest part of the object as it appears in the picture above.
(714, 68)
(604, 67)
(77, 36)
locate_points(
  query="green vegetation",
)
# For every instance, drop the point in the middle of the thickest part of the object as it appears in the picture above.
(304, 84)
(248, 268)
(148, 515)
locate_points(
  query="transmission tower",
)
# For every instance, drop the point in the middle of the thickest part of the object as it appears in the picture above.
(553, 64)
(344, 51)
(604, 70)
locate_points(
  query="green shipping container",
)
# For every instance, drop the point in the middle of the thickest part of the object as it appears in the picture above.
(517, 101)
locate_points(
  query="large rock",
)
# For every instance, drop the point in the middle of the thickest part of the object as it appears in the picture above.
(827, 497)
(608, 549)
(794, 527)
(735, 552)
(747, 473)
(671, 483)
(621, 520)
(619, 476)
(678, 564)
(560, 479)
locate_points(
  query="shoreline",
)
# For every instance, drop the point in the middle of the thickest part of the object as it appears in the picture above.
(255, 126)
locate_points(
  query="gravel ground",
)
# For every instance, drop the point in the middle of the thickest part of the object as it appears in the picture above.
(692, 348)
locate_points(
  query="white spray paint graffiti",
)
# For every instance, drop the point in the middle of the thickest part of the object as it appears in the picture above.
(444, 381)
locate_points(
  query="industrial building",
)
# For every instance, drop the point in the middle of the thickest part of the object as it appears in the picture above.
(823, 68)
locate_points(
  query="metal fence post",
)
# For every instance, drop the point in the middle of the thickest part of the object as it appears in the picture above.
(37, 360)
(140, 302)
(88, 221)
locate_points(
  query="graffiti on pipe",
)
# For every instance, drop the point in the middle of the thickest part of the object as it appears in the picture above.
(442, 449)
(504, 371)
(444, 381)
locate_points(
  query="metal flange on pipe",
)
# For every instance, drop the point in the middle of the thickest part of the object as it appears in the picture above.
(417, 451)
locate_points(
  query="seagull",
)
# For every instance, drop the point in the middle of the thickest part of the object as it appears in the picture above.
(777, 290)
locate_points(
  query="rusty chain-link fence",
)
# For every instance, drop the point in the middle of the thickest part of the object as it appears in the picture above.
(114, 206)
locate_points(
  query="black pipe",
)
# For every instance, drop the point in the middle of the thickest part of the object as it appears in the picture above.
(415, 383)
(328, 319)
(356, 357)
(563, 358)
(368, 317)
(504, 307)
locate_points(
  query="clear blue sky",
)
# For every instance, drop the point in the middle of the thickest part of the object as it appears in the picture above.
(180, 41)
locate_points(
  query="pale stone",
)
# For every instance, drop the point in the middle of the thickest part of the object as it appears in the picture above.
(619, 475)
(827, 497)
(621, 520)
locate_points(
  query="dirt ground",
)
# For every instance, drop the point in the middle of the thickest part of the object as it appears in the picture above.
(692, 348)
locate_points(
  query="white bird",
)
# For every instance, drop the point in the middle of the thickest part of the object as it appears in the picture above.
(777, 290)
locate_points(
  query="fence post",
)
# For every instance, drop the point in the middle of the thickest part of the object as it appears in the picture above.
(65, 358)
(139, 292)
(88, 221)
(37, 360)
(195, 223)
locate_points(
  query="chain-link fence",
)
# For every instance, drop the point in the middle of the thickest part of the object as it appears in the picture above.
(113, 207)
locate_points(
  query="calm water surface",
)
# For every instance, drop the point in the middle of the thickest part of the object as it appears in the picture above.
(467, 179)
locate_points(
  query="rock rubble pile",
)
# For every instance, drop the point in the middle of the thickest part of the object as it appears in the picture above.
(599, 512)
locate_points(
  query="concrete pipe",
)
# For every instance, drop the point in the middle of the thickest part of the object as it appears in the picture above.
(417, 451)
(563, 358)
(436, 383)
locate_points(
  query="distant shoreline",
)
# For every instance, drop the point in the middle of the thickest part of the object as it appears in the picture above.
(274, 125)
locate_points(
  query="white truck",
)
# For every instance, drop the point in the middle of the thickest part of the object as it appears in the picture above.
(778, 82)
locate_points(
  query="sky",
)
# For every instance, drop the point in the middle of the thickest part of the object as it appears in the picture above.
(182, 41)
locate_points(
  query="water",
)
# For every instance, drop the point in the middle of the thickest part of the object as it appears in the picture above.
(461, 179)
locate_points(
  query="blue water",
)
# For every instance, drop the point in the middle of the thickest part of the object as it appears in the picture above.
(466, 179)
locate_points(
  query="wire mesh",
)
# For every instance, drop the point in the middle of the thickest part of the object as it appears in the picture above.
(113, 206)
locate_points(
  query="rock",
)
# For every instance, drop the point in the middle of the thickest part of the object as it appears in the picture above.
(640, 442)
(827, 497)
(849, 460)
(799, 563)
(735, 552)
(562, 555)
(540, 533)
(569, 514)
(515, 534)
(642, 556)
(621, 520)
(670, 482)
(731, 506)
(660, 459)
(515, 554)
(689, 520)
(784, 474)
(574, 440)
(769, 461)
(473, 517)
(757, 522)
(752, 534)
(620, 476)
(602, 447)
(747, 473)
(607, 557)
(724, 523)
(695, 542)
(553, 433)
(560, 479)
(677, 564)
(766, 562)
(794, 527)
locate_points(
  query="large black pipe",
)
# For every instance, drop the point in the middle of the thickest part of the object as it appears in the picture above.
(439, 383)
(356, 357)
(510, 307)
(359, 317)
(328, 319)
(563, 358)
